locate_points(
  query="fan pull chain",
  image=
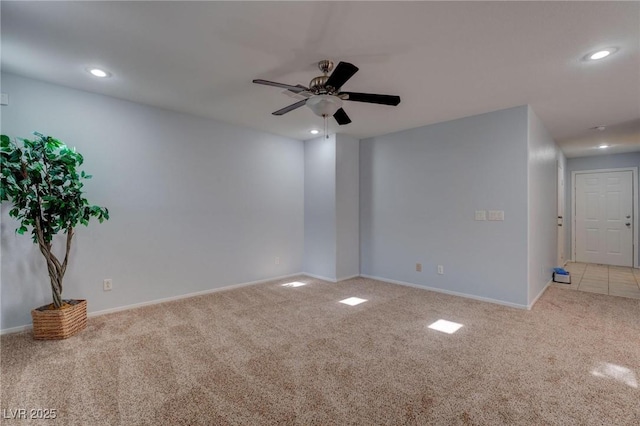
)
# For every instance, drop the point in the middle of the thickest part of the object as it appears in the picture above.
(326, 127)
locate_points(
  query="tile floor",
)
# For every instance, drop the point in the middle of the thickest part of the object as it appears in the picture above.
(603, 279)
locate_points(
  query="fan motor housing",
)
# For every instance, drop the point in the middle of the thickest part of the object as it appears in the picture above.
(317, 84)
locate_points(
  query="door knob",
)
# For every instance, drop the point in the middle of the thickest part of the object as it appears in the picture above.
(628, 224)
(628, 217)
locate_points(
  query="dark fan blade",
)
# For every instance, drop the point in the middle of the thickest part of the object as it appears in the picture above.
(295, 89)
(341, 117)
(290, 107)
(343, 72)
(372, 98)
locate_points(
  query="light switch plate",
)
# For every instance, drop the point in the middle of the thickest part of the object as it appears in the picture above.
(496, 214)
(481, 215)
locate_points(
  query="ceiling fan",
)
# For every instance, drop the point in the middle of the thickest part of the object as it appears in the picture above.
(323, 96)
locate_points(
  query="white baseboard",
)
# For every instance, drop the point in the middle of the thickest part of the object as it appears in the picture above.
(347, 278)
(539, 294)
(17, 329)
(320, 277)
(157, 301)
(331, 280)
(452, 293)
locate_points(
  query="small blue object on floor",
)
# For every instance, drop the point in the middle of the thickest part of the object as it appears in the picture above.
(561, 275)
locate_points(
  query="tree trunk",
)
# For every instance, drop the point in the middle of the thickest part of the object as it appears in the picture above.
(55, 274)
(56, 290)
(56, 270)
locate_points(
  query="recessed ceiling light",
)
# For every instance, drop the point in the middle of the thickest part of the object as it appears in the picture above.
(97, 72)
(314, 132)
(603, 146)
(600, 54)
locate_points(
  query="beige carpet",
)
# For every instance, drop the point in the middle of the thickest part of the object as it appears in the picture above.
(269, 354)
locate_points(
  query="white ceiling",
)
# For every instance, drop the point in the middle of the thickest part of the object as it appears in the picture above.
(445, 59)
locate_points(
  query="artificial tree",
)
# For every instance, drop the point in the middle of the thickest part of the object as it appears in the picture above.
(41, 179)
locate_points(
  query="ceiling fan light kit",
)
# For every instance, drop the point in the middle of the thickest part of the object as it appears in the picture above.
(324, 105)
(323, 96)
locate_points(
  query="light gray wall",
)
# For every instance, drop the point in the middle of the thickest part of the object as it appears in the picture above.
(614, 161)
(419, 189)
(543, 199)
(195, 204)
(347, 206)
(320, 207)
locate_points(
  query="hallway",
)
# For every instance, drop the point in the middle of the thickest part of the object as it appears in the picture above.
(603, 279)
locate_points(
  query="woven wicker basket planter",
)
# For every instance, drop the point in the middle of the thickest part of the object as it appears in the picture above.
(56, 324)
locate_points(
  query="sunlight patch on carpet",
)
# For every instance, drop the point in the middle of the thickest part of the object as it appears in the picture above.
(294, 284)
(616, 372)
(353, 301)
(445, 326)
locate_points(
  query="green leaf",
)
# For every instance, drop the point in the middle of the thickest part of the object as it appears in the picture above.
(39, 178)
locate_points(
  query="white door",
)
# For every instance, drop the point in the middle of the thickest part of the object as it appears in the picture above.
(561, 225)
(604, 218)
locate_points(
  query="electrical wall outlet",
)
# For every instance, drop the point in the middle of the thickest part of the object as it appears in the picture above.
(440, 269)
(418, 267)
(107, 285)
(277, 260)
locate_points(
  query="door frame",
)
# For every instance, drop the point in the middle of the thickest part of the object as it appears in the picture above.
(562, 221)
(634, 201)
